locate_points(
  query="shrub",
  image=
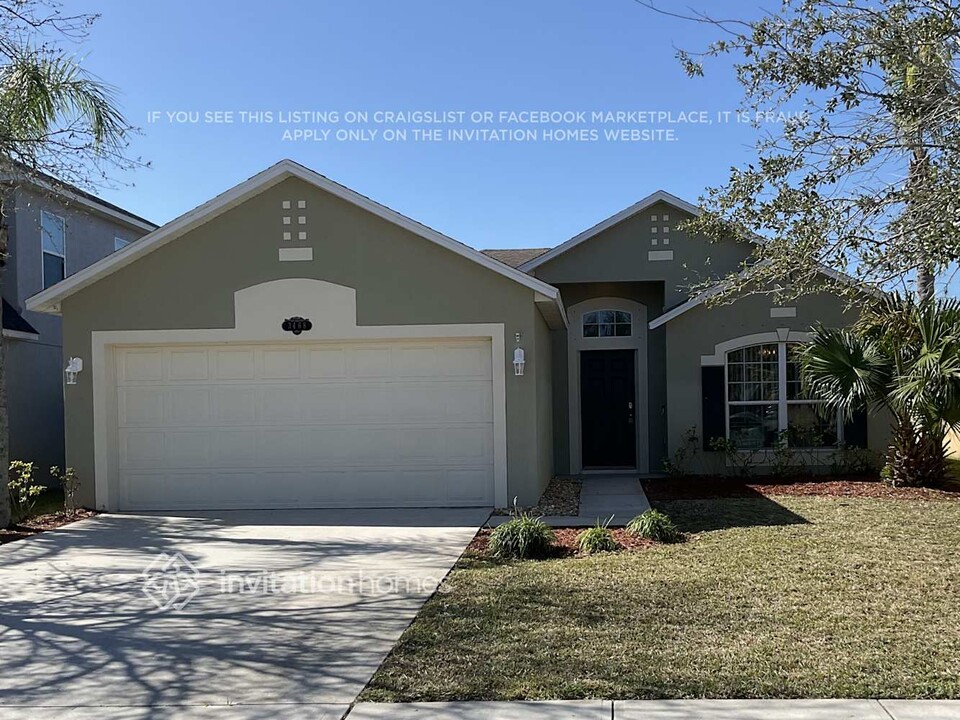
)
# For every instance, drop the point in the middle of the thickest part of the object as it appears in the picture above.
(678, 464)
(522, 536)
(597, 539)
(23, 490)
(70, 484)
(654, 525)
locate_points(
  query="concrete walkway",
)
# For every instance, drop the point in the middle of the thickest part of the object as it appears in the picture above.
(601, 497)
(665, 710)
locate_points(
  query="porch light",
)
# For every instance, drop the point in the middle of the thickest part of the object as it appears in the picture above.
(518, 359)
(74, 366)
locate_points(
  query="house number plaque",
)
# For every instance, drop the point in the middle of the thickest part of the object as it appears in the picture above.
(296, 325)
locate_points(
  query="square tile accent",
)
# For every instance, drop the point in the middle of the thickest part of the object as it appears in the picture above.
(301, 204)
(286, 204)
(653, 241)
(665, 229)
(665, 217)
(653, 218)
(286, 236)
(302, 235)
(302, 220)
(666, 241)
(286, 219)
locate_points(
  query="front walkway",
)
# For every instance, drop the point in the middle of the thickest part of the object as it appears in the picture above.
(665, 710)
(620, 497)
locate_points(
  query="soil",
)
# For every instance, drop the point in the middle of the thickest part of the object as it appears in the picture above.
(562, 497)
(42, 523)
(566, 542)
(865, 487)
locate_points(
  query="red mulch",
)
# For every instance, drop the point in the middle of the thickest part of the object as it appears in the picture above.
(41, 523)
(566, 543)
(864, 487)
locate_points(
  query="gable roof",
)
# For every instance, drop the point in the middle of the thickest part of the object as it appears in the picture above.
(700, 298)
(546, 296)
(647, 202)
(515, 257)
(72, 194)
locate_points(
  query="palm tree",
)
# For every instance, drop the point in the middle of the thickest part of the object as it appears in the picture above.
(53, 116)
(902, 356)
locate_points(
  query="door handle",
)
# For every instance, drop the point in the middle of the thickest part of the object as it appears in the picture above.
(630, 413)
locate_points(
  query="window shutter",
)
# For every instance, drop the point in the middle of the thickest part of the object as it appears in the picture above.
(855, 430)
(714, 422)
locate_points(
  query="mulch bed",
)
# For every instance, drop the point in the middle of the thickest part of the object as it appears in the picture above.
(854, 487)
(561, 497)
(41, 523)
(566, 543)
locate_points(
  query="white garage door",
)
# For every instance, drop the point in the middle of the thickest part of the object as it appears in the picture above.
(310, 425)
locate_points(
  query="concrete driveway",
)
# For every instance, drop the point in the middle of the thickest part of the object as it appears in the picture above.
(241, 615)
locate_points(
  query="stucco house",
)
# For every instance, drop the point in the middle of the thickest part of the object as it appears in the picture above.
(53, 231)
(291, 343)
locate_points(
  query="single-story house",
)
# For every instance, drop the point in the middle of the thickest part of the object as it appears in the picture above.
(292, 343)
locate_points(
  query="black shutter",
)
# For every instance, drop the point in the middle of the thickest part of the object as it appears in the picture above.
(714, 420)
(855, 430)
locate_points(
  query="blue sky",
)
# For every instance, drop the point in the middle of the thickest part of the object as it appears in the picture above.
(437, 55)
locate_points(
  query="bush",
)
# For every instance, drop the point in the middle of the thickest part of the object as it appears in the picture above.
(70, 484)
(522, 536)
(23, 490)
(597, 539)
(654, 525)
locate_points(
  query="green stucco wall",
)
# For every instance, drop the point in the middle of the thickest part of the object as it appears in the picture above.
(400, 279)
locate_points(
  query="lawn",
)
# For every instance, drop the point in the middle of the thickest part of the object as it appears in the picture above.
(772, 597)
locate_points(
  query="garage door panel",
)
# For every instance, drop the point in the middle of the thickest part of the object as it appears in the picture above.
(306, 425)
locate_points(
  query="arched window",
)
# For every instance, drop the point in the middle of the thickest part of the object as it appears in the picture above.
(765, 401)
(607, 323)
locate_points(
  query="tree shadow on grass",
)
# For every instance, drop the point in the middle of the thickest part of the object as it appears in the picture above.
(749, 510)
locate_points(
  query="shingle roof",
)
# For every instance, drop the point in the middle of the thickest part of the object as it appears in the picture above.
(514, 257)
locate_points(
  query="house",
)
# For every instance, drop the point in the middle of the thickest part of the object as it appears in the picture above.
(292, 343)
(53, 231)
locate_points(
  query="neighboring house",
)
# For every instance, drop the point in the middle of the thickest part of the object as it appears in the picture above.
(291, 343)
(53, 231)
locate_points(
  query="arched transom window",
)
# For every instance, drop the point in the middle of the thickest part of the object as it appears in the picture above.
(766, 402)
(607, 323)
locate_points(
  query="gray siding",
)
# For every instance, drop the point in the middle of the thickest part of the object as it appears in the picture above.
(35, 367)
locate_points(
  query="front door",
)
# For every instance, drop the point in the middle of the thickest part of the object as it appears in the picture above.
(608, 408)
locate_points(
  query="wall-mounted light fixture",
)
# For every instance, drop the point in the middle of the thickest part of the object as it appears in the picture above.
(74, 366)
(518, 358)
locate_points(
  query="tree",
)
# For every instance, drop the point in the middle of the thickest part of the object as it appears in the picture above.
(863, 176)
(902, 355)
(57, 123)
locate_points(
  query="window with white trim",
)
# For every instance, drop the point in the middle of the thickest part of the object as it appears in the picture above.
(119, 243)
(765, 398)
(607, 323)
(53, 240)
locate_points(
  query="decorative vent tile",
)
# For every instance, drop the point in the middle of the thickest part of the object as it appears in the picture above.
(783, 312)
(659, 255)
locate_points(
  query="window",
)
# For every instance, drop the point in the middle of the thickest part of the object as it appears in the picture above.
(54, 243)
(765, 397)
(607, 323)
(119, 243)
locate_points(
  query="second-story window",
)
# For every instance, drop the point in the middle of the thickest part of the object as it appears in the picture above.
(607, 323)
(54, 243)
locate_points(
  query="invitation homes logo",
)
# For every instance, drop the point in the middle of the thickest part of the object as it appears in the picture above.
(171, 581)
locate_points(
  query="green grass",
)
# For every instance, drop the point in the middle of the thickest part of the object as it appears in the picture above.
(801, 597)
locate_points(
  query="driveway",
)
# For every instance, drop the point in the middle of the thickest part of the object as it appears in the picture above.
(265, 611)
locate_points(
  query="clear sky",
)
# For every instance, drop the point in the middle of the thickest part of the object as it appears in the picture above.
(368, 56)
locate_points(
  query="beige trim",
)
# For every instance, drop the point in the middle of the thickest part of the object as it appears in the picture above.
(783, 312)
(20, 335)
(652, 199)
(296, 254)
(49, 300)
(258, 310)
(577, 344)
(659, 255)
(720, 350)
